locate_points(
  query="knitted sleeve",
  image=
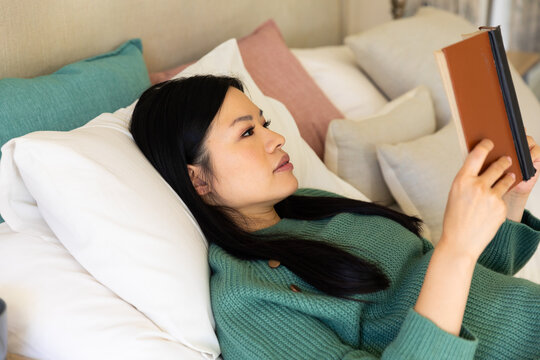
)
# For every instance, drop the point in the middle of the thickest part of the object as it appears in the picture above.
(511, 248)
(255, 330)
(513, 245)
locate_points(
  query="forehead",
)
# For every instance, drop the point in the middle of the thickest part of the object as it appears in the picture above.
(235, 104)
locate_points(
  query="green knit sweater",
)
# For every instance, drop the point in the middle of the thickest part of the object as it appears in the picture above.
(259, 316)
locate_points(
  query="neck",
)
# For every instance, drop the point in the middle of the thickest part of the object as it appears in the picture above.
(256, 220)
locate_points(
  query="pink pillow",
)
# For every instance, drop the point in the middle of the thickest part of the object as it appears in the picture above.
(279, 74)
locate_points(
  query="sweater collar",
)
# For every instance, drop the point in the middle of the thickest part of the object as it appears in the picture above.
(270, 229)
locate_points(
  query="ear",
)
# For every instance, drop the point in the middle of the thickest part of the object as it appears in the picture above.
(199, 184)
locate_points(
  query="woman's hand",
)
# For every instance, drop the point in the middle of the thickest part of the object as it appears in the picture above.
(475, 209)
(516, 198)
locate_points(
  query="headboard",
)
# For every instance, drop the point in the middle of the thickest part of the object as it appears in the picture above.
(39, 37)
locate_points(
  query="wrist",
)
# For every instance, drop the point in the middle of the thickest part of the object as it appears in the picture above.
(511, 198)
(462, 257)
(515, 205)
(443, 296)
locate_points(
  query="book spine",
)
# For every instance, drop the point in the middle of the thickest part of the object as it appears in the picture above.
(511, 104)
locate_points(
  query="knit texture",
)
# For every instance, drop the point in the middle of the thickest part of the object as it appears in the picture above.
(259, 316)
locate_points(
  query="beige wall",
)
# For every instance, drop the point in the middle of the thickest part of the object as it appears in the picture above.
(360, 15)
(38, 37)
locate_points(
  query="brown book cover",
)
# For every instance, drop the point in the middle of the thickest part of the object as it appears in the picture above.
(475, 86)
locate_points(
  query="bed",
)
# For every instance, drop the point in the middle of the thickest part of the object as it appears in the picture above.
(98, 258)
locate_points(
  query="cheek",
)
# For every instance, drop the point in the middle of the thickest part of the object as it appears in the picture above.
(234, 165)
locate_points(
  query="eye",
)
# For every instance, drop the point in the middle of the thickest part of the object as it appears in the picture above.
(250, 130)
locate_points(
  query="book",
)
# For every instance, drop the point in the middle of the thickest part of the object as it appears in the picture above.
(483, 101)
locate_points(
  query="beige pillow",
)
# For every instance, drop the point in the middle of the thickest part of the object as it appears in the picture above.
(398, 55)
(350, 144)
(420, 173)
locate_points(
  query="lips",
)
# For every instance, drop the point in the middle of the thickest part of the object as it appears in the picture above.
(285, 159)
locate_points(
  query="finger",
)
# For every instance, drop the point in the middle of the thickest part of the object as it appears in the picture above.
(474, 161)
(531, 142)
(535, 150)
(495, 170)
(502, 186)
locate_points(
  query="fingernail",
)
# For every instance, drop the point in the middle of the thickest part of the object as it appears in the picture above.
(509, 159)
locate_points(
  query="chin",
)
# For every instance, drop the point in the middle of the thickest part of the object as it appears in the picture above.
(286, 188)
(294, 185)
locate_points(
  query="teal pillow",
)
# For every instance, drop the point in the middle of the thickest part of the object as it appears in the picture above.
(73, 95)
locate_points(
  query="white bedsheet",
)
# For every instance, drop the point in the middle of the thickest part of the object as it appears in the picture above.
(56, 310)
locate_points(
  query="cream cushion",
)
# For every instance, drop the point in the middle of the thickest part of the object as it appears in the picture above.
(335, 71)
(350, 148)
(398, 56)
(121, 221)
(419, 174)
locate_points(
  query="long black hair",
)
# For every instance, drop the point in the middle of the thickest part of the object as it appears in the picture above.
(170, 124)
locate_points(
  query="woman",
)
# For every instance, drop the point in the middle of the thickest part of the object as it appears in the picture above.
(307, 274)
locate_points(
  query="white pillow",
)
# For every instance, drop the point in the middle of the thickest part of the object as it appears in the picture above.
(56, 310)
(335, 71)
(398, 55)
(350, 144)
(123, 223)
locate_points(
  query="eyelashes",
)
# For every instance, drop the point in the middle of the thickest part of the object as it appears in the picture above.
(250, 130)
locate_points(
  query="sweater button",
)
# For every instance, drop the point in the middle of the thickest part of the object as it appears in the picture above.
(273, 263)
(295, 288)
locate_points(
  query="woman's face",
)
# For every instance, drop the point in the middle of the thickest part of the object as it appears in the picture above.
(244, 155)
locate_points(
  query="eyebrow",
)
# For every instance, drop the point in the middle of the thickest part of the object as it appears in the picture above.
(245, 118)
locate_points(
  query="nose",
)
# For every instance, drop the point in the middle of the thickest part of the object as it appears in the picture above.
(274, 141)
